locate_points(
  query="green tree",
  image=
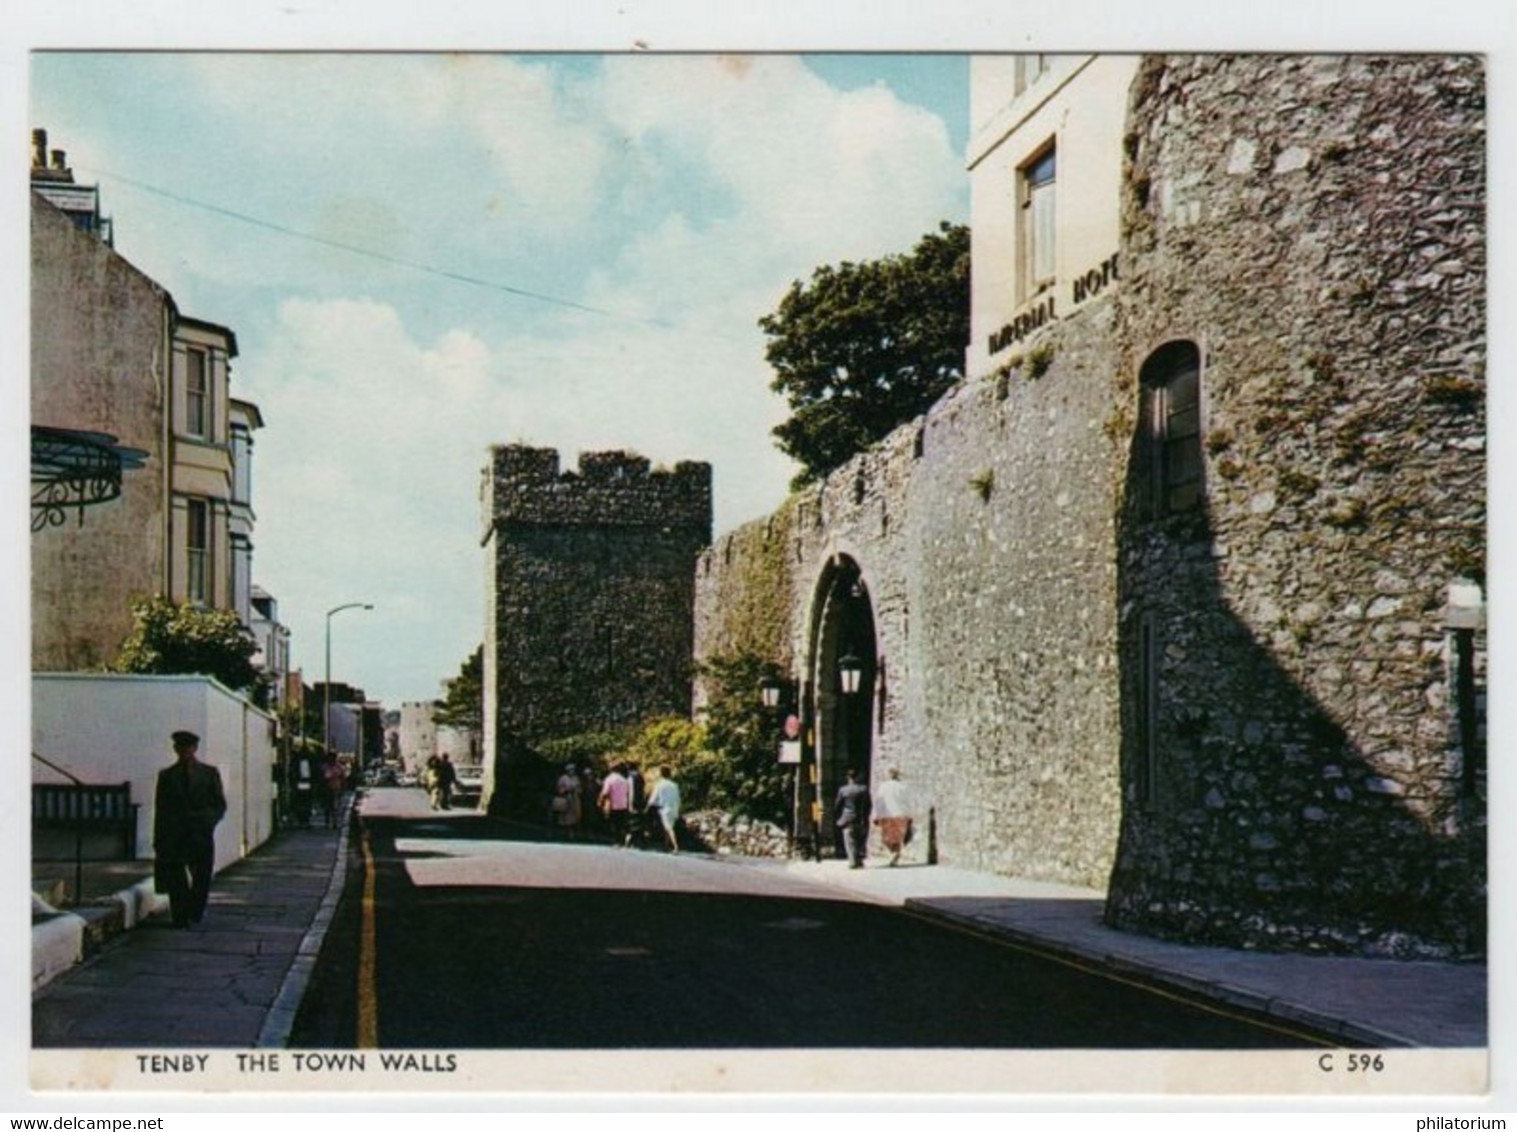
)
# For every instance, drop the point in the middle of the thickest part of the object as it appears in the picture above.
(679, 744)
(865, 347)
(167, 638)
(595, 749)
(464, 704)
(743, 738)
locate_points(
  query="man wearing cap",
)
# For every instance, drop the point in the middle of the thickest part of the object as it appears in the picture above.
(188, 804)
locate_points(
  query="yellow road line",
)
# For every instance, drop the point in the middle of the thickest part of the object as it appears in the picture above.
(368, 1005)
(1088, 968)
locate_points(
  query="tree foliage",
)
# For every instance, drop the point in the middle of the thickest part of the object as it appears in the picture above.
(729, 761)
(463, 706)
(679, 744)
(595, 749)
(743, 736)
(865, 347)
(169, 638)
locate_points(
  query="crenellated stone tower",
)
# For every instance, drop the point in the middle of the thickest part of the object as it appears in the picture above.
(590, 592)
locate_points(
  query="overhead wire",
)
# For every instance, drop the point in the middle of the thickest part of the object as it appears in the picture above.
(396, 261)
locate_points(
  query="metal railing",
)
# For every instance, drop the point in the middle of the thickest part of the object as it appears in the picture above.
(84, 806)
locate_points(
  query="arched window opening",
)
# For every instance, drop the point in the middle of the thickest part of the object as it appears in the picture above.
(1171, 422)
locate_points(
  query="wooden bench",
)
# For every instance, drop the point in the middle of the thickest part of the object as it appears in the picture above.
(87, 808)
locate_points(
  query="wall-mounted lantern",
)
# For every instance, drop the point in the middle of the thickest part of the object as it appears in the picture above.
(850, 672)
(770, 688)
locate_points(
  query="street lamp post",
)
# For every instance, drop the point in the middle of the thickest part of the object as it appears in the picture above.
(326, 688)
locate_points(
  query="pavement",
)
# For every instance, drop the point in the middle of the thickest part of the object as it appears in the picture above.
(112, 973)
(100, 973)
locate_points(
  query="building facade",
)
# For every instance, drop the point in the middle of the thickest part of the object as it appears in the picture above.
(273, 656)
(112, 354)
(1180, 593)
(590, 596)
(416, 735)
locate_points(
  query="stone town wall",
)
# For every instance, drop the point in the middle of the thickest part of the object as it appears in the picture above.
(1316, 226)
(591, 592)
(983, 533)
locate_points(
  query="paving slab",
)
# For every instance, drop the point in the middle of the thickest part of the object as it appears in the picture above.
(216, 984)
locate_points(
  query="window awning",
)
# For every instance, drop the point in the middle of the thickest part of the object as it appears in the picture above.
(73, 469)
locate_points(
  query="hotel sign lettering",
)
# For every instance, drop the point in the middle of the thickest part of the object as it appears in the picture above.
(1093, 282)
(1041, 313)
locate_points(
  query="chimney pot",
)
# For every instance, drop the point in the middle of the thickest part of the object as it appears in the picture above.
(39, 148)
(58, 160)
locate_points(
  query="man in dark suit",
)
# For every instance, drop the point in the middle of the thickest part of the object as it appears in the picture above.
(187, 805)
(852, 809)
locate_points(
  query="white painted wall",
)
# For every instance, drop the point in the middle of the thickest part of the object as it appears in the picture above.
(108, 728)
(1080, 105)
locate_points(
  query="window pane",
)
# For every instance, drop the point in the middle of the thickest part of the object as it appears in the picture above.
(1185, 497)
(195, 389)
(1184, 423)
(197, 544)
(1184, 391)
(1171, 379)
(1042, 230)
(1041, 171)
(1182, 461)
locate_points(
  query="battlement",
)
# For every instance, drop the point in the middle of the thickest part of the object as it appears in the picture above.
(525, 485)
(590, 576)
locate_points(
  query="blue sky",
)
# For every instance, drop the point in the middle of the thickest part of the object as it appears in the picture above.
(405, 244)
(426, 254)
(383, 384)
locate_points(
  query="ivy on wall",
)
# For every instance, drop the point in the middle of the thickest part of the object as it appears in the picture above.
(754, 607)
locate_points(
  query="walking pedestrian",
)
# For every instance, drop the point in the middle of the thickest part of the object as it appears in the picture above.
(589, 793)
(664, 802)
(432, 779)
(892, 814)
(566, 802)
(639, 788)
(332, 780)
(187, 805)
(852, 810)
(639, 819)
(447, 778)
(302, 782)
(616, 804)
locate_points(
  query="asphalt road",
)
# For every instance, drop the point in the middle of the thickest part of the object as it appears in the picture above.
(455, 931)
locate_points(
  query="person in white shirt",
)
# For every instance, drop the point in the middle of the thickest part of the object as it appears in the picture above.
(665, 802)
(892, 813)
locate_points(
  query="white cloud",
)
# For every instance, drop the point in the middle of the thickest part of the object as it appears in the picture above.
(366, 476)
(681, 194)
(812, 175)
(546, 145)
